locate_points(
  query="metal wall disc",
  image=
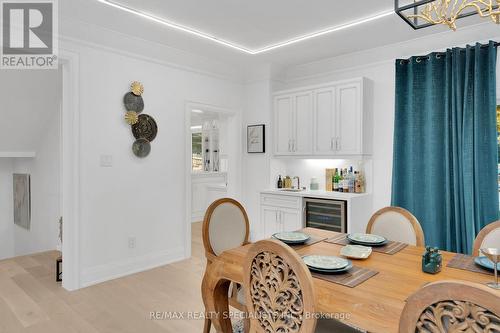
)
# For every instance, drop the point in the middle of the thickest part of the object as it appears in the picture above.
(141, 147)
(133, 102)
(145, 128)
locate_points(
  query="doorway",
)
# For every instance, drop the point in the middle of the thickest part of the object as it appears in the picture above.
(213, 157)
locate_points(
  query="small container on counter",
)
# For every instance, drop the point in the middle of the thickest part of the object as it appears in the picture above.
(314, 186)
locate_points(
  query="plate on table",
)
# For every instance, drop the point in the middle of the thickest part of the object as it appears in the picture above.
(325, 263)
(366, 239)
(292, 237)
(356, 251)
(486, 263)
(330, 271)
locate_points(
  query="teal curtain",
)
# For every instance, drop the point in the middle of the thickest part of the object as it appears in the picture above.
(445, 143)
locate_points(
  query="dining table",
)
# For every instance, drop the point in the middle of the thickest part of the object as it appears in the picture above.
(375, 305)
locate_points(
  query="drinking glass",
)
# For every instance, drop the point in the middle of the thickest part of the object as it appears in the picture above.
(493, 254)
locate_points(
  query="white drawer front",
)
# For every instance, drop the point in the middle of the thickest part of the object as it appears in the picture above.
(285, 201)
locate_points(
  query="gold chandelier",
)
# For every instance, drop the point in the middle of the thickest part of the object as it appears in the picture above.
(447, 12)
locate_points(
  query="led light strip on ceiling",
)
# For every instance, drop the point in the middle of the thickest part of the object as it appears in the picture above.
(235, 46)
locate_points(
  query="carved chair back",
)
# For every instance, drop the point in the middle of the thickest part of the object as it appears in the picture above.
(396, 224)
(278, 289)
(452, 307)
(225, 226)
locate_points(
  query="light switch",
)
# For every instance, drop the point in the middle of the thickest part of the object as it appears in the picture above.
(106, 161)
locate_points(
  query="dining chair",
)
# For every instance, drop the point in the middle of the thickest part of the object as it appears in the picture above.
(225, 226)
(396, 224)
(451, 307)
(489, 236)
(280, 294)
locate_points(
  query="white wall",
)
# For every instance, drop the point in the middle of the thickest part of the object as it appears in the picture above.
(6, 209)
(256, 167)
(139, 198)
(45, 174)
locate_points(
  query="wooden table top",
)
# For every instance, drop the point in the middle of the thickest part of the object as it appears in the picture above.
(376, 304)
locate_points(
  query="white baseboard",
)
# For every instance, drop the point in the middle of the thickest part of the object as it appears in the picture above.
(120, 268)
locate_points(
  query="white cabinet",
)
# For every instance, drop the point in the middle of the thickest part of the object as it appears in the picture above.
(293, 124)
(280, 213)
(327, 120)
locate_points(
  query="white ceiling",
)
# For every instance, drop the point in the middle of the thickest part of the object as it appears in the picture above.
(254, 24)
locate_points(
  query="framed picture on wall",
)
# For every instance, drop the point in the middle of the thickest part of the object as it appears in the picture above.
(256, 138)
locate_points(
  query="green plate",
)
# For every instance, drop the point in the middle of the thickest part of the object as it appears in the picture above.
(328, 263)
(366, 238)
(292, 237)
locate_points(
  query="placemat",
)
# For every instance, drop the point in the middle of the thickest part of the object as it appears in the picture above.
(390, 248)
(351, 279)
(466, 263)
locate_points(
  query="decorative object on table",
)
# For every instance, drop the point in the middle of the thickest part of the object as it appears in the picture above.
(366, 239)
(314, 185)
(22, 200)
(492, 255)
(327, 264)
(141, 147)
(256, 138)
(133, 102)
(145, 128)
(292, 237)
(432, 260)
(425, 13)
(356, 251)
(131, 117)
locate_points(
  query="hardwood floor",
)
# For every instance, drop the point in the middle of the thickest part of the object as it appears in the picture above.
(31, 300)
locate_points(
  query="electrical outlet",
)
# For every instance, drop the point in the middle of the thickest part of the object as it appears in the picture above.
(131, 242)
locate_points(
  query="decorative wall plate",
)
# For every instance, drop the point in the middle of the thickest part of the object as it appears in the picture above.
(141, 147)
(145, 128)
(133, 102)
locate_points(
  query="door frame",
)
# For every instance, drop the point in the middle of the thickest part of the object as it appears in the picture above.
(233, 175)
(70, 169)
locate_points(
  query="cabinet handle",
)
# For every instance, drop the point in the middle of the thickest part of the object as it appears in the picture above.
(289, 145)
(293, 145)
(276, 216)
(338, 143)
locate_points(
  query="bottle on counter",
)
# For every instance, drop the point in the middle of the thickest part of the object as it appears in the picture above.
(351, 180)
(280, 182)
(341, 181)
(345, 183)
(360, 183)
(287, 182)
(335, 180)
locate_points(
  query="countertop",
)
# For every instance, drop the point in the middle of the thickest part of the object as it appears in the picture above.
(318, 194)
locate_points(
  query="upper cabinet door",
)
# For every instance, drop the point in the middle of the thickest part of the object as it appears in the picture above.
(283, 124)
(349, 119)
(324, 121)
(302, 138)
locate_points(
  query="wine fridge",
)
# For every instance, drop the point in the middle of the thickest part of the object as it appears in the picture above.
(325, 214)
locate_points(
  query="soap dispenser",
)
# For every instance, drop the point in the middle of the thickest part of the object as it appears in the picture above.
(280, 182)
